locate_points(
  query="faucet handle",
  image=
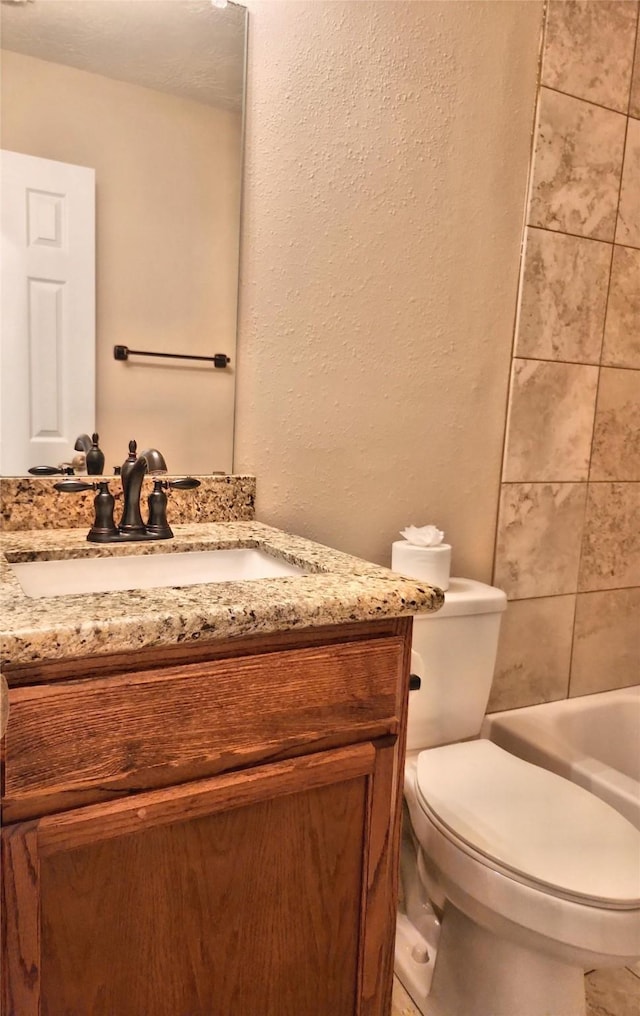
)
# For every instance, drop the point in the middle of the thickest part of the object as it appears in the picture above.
(73, 486)
(51, 470)
(157, 525)
(184, 483)
(104, 528)
(129, 462)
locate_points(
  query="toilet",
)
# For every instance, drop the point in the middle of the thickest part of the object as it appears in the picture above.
(513, 880)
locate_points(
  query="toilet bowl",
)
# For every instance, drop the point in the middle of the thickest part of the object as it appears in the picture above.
(514, 880)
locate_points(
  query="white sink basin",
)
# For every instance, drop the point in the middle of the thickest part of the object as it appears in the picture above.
(147, 571)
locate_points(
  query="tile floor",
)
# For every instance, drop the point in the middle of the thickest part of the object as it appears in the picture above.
(609, 993)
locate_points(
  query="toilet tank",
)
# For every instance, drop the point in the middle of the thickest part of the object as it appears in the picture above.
(457, 647)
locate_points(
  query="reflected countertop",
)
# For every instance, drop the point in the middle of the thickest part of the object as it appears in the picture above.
(336, 588)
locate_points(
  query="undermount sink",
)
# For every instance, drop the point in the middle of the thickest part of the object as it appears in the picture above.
(147, 571)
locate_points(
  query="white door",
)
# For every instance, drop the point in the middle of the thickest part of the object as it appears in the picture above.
(47, 339)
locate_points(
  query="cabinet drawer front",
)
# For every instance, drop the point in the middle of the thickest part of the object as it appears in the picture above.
(155, 728)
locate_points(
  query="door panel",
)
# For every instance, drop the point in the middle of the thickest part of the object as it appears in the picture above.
(241, 893)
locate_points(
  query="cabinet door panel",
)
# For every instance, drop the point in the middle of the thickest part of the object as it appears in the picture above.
(20, 965)
(249, 901)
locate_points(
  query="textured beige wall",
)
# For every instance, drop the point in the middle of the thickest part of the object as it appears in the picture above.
(167, 199)
(386, 163)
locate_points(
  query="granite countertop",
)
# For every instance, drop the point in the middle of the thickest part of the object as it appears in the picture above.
(337, 589)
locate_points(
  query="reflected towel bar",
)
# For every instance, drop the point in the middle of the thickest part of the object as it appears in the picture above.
(123, 353)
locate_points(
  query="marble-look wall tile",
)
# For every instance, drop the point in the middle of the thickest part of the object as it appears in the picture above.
(539, 533)
(628, 227)
(576, 166)
(588, 50)
(634, 102)
(610, 556)
(563, 297)
(534, 653)
(616, 434)
(579, 305)
(550, 422)
(606, 647)
(621, 346)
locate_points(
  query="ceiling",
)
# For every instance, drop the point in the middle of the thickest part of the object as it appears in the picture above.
(189, 48)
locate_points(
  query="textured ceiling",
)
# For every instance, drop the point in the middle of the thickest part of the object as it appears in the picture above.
(187, 47)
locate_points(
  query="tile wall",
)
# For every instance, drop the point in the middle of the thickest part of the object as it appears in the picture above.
(568, 539)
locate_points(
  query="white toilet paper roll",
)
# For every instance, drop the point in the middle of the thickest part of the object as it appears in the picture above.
(427, 564)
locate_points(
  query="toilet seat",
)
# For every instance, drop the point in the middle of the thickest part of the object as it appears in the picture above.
(531, 825)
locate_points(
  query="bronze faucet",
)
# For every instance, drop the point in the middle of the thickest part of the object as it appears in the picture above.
(131, 528)
(132, 474)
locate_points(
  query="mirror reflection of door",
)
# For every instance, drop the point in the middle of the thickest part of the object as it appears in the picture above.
(47, 337)
(150, 95)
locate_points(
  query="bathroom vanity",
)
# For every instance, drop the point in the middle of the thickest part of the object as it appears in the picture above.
(202, 784)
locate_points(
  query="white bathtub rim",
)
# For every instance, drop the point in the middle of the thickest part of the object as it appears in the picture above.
(528, 733)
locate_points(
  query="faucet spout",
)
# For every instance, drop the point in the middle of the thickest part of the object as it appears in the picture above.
(83, 443)
(132, 474)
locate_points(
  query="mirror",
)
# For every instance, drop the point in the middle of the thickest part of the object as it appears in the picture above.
(148, 94)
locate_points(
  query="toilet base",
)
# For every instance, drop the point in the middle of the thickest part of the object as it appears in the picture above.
(414, 959)
(479, 974)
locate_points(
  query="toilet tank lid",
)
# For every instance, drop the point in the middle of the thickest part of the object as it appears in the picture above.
(466, 596)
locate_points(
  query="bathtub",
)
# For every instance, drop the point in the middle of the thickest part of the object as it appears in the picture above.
(593, 740)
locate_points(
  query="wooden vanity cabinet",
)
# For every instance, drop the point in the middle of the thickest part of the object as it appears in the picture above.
(209, 831)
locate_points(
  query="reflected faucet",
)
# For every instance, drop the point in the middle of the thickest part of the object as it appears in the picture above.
(83, 444)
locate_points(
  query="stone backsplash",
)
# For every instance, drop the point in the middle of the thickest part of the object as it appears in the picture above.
(34, 503)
